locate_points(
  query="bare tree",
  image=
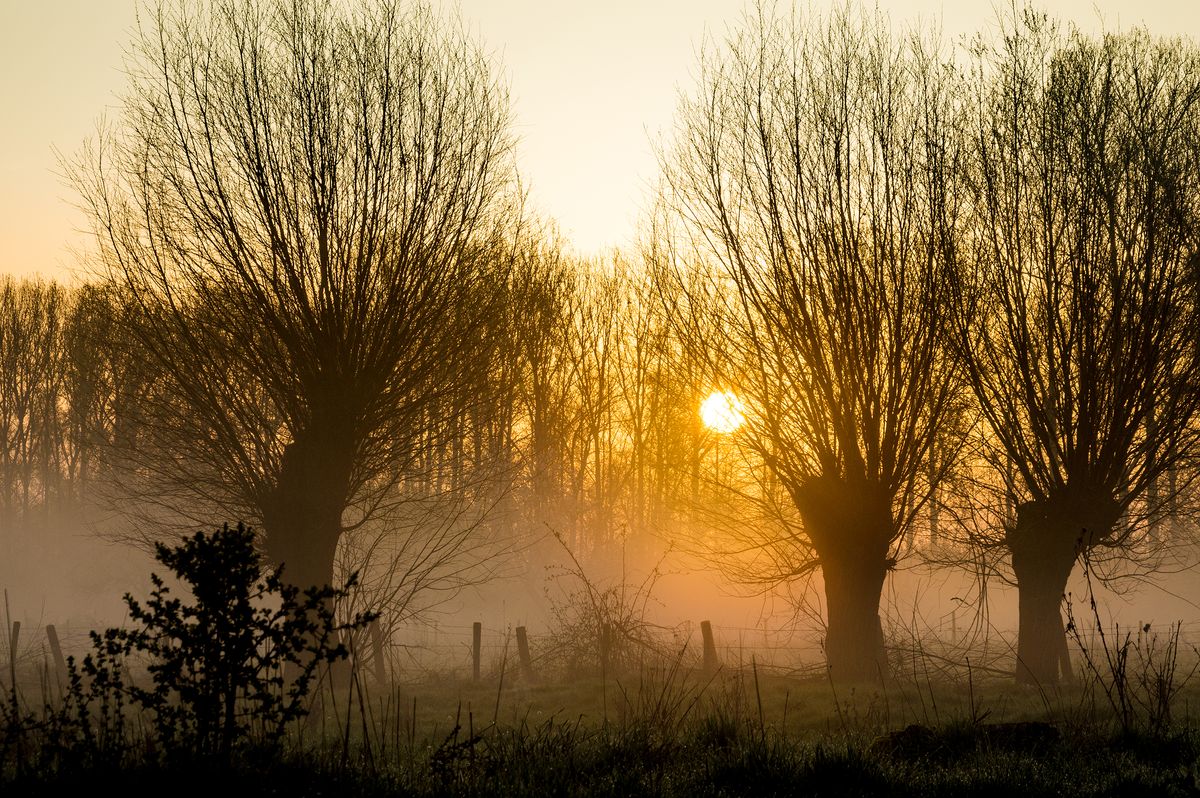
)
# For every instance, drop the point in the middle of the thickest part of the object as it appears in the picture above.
(595, 430)
(31, 330)
(1076, 322)
(809, 187)
(311, 208)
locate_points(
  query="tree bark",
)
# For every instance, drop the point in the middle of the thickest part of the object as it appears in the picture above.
(854, 636)
(1042, 565)
(1048, 537)
(303, 516)
(850, 525)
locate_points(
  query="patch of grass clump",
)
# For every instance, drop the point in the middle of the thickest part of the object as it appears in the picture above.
(707, 758)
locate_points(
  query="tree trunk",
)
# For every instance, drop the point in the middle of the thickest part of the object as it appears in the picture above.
(1046, 540)
(303, 515)
(854, 636)
(851, 526)
(303, 537)
(1042, 565)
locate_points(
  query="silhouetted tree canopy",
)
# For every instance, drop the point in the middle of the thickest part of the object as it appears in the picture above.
(808, 193)
(1076, 320)
(311, 207)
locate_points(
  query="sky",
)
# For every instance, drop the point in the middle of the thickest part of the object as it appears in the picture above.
(594, 84)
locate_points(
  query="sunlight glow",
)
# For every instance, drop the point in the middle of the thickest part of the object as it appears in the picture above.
(723, 411)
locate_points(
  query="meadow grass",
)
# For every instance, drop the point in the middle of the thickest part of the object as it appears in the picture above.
(1124, 726)
(666, 731)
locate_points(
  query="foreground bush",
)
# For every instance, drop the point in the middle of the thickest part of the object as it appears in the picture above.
(229, 667)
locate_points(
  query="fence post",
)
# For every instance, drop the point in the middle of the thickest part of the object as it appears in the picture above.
(710, 648)
(12, 653)
(523, 652)
(60, 664)
(477, 639)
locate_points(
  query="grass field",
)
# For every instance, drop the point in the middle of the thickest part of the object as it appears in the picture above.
(666, 731)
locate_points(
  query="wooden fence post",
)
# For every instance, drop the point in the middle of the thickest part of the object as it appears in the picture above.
(477, 639)
(523, 652)
(12, 653)
(60, 664)
(710, 648)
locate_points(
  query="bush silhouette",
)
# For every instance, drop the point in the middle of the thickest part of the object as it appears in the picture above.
(233, 666)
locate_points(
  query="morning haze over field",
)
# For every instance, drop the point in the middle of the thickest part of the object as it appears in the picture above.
(636, 398)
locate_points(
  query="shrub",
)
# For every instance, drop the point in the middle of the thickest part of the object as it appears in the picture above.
(600, 627)
(236, 663)
(1138, 671)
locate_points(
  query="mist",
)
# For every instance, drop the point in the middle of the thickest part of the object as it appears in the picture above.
(879, 438)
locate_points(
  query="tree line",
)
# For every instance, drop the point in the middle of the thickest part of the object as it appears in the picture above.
(942, 276)
(955, 289)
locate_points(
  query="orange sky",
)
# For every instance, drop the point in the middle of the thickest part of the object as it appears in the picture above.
(593, 82)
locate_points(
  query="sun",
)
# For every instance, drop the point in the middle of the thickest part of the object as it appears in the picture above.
(723, 411)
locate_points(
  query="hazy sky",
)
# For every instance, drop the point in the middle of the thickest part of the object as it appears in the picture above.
(594, 83)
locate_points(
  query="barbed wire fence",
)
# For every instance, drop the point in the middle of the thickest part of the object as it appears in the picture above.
(446, 650)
